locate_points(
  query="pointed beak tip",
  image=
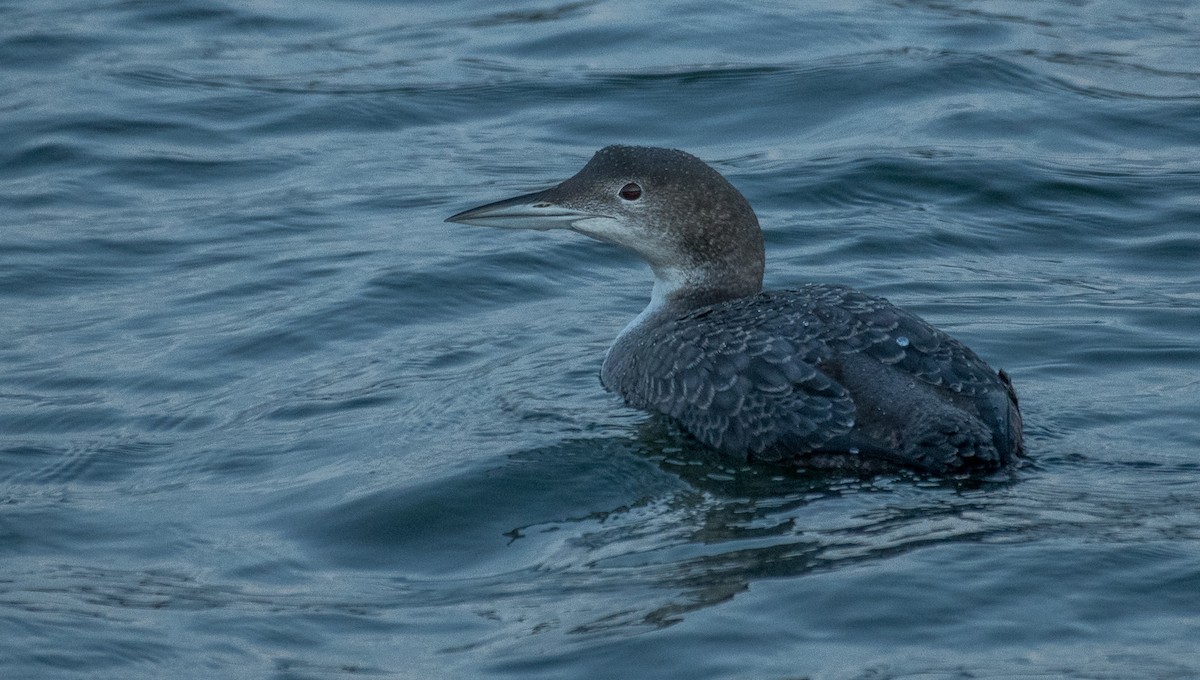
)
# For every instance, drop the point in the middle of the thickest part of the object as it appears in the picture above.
(466, 217)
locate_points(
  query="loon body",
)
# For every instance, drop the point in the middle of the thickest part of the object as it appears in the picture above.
(824, 376)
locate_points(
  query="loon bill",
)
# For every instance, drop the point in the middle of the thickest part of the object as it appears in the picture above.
(823, 376)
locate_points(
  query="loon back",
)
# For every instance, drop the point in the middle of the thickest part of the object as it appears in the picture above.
(824, 375)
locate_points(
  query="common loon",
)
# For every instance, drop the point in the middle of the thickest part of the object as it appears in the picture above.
(823, 376)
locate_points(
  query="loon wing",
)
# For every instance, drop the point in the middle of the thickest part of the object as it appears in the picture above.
(852, 321)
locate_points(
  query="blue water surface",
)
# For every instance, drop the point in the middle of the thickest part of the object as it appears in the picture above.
(264, 415)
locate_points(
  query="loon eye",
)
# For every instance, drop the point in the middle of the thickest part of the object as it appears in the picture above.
(630, 192)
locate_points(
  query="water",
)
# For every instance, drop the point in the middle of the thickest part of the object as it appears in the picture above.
(263, 414)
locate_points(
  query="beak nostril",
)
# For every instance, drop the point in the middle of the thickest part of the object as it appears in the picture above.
(541, 205)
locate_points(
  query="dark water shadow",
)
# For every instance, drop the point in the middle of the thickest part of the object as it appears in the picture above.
(607, 536)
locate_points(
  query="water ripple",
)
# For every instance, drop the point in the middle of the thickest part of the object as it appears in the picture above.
(263, 413)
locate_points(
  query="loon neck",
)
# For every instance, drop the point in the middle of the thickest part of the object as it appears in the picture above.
(687, 289)
(678, 291)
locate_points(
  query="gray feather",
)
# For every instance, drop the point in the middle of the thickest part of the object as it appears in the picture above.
(789, 373)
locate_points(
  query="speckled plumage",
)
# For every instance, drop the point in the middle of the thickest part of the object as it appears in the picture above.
(825, 376)
(824, 373)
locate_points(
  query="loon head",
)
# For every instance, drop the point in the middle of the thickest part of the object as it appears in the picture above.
(697, 232)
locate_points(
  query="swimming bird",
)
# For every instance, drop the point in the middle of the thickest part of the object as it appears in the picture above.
(822, 376)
